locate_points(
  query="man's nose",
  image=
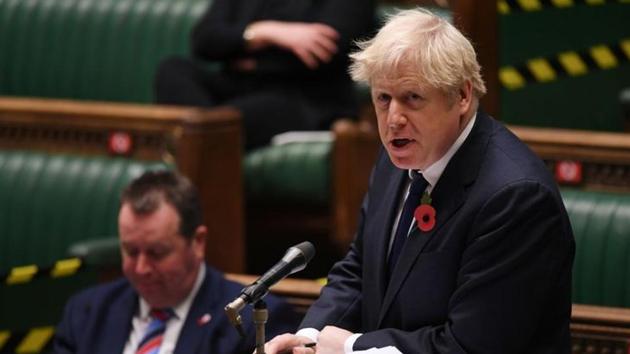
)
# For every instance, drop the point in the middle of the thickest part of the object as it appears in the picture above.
(143, 265)
(396, 116)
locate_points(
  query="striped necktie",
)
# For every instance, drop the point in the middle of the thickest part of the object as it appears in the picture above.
(150, 343)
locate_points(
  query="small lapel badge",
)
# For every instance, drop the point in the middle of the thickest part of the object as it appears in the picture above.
(204, 319)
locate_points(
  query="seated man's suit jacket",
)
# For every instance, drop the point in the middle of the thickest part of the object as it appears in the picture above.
(492, 276)
(98, 320)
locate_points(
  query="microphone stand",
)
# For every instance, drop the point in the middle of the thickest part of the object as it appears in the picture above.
(260, 318)
(294, 260)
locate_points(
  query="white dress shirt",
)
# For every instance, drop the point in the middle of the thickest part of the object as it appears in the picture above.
(141, 320)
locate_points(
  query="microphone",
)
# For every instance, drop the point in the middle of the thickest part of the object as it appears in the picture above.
(294, 260)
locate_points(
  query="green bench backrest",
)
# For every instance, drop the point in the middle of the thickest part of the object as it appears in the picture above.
(90, 49)
(291, 174)
(48, 202)
(601, 225)
(104, 50)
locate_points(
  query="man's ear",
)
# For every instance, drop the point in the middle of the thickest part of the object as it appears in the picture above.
(465, 97)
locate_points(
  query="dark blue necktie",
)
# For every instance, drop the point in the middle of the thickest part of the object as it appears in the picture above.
(418, 185)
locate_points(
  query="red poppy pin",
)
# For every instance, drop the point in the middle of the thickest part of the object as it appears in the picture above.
(425, 214)
(204, 319)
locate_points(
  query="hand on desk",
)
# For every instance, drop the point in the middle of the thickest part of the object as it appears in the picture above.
(289, 343)
(330, 341)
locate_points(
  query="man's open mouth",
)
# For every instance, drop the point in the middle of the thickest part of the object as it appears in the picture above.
(400, 142)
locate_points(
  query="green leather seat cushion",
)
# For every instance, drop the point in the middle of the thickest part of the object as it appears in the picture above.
(601, 225)
(290, 174)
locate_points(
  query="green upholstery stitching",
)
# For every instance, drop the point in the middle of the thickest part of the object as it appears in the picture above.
(85, 49)
(48, 202)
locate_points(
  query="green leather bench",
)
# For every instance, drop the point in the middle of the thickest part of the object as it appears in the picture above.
(50, 201)
(601, 225)
(47, 203)
(101, 50)
(293, 174)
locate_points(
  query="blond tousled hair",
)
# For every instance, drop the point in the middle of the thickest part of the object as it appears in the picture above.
(418, 39)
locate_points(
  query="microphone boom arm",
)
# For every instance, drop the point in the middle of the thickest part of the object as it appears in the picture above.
(294, 260)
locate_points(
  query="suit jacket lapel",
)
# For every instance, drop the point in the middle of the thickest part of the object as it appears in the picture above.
(118, 324)
(388, 210)
(447, 197)
(197, 323)
(417, 241)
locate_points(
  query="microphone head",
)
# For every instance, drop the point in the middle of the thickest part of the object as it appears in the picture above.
(307, 249)
(294, 260)
(298, 256)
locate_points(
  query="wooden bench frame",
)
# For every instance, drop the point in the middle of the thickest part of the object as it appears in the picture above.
(204, 145)
(604, 158)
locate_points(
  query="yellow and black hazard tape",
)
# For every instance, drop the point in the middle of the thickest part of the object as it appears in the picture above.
(31, 341)
(565, 64)
(25, 274)
(508, 6)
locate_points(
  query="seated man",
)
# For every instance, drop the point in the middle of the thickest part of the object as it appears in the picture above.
(169, 300)
(284, 63)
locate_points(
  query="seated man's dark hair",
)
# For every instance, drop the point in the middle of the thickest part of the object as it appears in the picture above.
(145, 193)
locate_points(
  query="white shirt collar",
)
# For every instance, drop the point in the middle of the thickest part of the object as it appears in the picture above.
(433, 173)
(181, 309)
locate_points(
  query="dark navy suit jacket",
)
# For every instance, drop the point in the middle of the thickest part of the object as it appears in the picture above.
(492, 276)
(98, 320)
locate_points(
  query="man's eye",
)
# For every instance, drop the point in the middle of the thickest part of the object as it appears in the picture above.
(130, 252)
(383, 98)
(414, 100)
(157, 253)
(413, 96)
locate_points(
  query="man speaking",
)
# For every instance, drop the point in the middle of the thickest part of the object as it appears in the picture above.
(463, 242)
